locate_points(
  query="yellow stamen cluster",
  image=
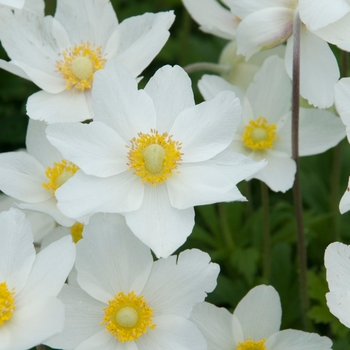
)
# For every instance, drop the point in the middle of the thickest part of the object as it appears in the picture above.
(259, 135)
(153, 157)
(59, 174)
(252, 345)
(79, 65)
(7, 303)
(128, 316)
(77, 232)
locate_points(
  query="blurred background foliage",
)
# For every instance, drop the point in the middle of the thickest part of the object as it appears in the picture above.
(233, 233)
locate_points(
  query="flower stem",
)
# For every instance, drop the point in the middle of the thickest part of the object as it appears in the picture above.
(295, 155)
(225, 227)
(40, 347)
(207, 66)
(267, 232)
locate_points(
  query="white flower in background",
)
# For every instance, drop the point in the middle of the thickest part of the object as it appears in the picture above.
(336, 260)
(60, 54)
(29, 284)
(152, 155)
(254, 325)
(33, 177)
(265, 130)
(129, 301)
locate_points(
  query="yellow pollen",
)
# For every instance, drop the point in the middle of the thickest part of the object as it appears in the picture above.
(59, 174)
(77, 232)
(128, 316)
(7, 303)
(154, 156)
(79, 65)
(259, 135)
(252, 345)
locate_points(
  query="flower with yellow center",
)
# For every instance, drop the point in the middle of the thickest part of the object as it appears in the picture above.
(254, 325)
(127, 300)
(30, 284)
(77, 231)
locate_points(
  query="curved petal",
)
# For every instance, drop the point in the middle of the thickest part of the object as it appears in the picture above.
(199, 185)
(176, 332)
(96, 148)
(110, 259)
(32, 324)
(339, 306)
(317, 80)
(13, 3)
(259, 313)
(67, 106)
(21, 177)
(159, 225)
(291, 339)
(118, 103)
(83, 317)
(212, 17)
(317, 14)
(215, 325)
(342, 102)
(54, 235)
(264, 29)
(344, 204)
(171, 92)
(146, 33)
(105, 340)
(176, 284)
(314, 127)
(14, 69)
(208, 128)
(50, 270)
(17, 253)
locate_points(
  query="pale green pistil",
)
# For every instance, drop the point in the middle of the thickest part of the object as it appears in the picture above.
(154, 156)
(259, 134)
(127, 317)
(82, 68)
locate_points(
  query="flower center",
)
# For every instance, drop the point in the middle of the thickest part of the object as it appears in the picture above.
(154, 156)
(7, 303)
(259, 135)
(128, 316)
(77, 232)
(59, 174)
(252, 345)
(79, 65)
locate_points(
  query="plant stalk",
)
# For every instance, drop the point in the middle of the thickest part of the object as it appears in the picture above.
(267, 232)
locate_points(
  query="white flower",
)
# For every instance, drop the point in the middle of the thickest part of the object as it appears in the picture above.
(32, 177)
(255, 324)
(128, 301)
(265, 130)
(152, 155)
(336, 260)
(29, 284)
(60, 54)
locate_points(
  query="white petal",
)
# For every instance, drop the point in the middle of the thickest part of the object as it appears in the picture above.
(118, 103)
(173, 333)
(291, 339)
(212, 17)
(344, 204)
(159, 225)
(314, 127)
(13, 3)
(17, 252)
(82, 318)
(104, 340)
(54, 235)
(171, 92)
(96, 148)
(176, 284)
(215, 325)
(50, 270)
(317, 80)
(21, 177)
(319, 13)
(208, 128)
(342, 102)
(270, 93)
(339, 306)
(259, 313)
(199, 185)
(13, 68)
(67, 106)
(92, 21)
(264, 29)
(110, 259)
(144, 34)
(32, 324)
(86, 194)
